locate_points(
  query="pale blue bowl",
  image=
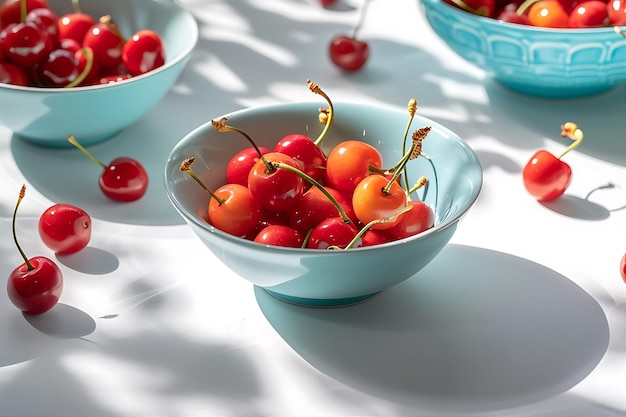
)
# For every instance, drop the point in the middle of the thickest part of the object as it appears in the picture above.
(554, 63)
(45, 116)
(325, 277)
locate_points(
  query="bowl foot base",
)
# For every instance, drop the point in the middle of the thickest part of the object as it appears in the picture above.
(551, 92)
(63, 143)
(322, 302)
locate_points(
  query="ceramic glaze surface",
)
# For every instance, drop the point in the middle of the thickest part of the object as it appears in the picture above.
(320, 277)
(536, 61)
(45, 116)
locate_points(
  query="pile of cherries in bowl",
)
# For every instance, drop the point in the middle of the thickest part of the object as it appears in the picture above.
(39, 48)
(574, 14)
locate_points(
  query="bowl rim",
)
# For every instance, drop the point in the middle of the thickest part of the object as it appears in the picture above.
(193, 25)
(449, 221)
(492, 21)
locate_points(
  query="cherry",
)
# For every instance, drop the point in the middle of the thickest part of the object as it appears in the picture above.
(588, 14)
(74, 25)
(333, 232)
(25, 44)
(275, 188)
(315, 206)
(65, 228)
(111, 79)
(617, 12)
(349, 162)
(373, 237)
(143, 52)
(348, 52)
(327, 3)
(622, 267)
(546, 176)
(105, 41)
(416, 220)
(58, 69)
(45, 19)
(232, 209)
(36, 285)
(377, 197)
(11, 10)
(509, 13)
(241, 163)
(280, 235)
(484, 8)
(12, 74)
(124, 179)
(548, 13)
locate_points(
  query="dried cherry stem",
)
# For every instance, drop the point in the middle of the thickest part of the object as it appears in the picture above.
(421, 182)
(572, 131)
(185, 167)
(412, 108)
(88, 53)
(524, 6)
(370, 224)
(110, 23)
(19, 248)
(314, 182)
(330, 111)
(71, 139)
(222, 127)
(414, 151)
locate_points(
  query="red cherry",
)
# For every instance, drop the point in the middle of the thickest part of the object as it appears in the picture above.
(25, 44)
(143, 52)
(10, 10)
(304, 149)
(74, 26)
(418, 219)
(347, 53)
(617, 12)
(45, 19)
(548, 13)
(36, 285)
(278, 189)
(327, 3)
(373, 237)
(65, 228)
(111, 79)
(314, 206)
(622, 267)
(12, 74)
(333, 232)
(234, 210)
(83, 61)
(58, 69)
(124, 179)
(484, 8)
(589, 14)
(105, 41)
(241, 163)
(280, 235)
(508, 13)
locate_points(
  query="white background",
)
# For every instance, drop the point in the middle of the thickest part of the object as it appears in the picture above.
(523, 314)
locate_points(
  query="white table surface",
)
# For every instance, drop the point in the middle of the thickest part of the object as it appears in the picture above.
(523, 314)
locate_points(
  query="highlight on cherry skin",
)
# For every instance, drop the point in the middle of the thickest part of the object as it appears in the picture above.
(36, 285)
(65, 228)
(124, 179)
(622, 268)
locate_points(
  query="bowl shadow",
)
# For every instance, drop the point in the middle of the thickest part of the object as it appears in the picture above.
(476, 330)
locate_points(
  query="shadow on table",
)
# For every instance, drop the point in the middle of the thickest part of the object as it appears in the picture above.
(476, 330)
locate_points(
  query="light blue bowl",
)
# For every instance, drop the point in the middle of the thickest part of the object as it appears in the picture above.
(45, 116)
(555, 63)
(326, 277)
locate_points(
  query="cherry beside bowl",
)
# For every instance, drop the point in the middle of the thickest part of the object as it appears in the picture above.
(316, 277)
(45, 116)
(542, 62)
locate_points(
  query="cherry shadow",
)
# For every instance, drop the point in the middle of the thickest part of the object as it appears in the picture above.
(475, 331)
(578, 208)
(91, 261)
(63, 322)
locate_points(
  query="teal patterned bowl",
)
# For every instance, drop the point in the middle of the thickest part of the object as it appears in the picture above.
(555, 63)
(326, 277)
(45, 116)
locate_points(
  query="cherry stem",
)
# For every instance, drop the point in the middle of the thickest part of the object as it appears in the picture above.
(185, 167)
(23, 11)
(399, 168)
(412, 108)
(222, 127)
(524, 6)
(88, 53)
(76, 6)
(107, 20)
(71, 139)
(421, 182)
(361, 20)
(330, 112)
(572, 131)
(619, 31)
(370, 224)
(19, 248)
(314, 182)
(432, 165)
